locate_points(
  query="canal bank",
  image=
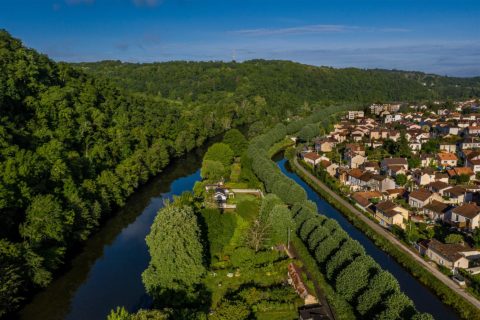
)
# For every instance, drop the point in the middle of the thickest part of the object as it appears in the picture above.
(423, 298)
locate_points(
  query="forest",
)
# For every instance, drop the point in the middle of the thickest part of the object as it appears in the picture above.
(77, 140)
(283, 85)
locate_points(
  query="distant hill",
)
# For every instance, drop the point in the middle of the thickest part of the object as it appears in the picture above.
(282, 83)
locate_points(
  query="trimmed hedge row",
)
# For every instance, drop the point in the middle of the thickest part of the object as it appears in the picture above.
(355, 276)
(372, 292)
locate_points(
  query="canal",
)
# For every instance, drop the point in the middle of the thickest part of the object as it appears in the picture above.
(423, 298)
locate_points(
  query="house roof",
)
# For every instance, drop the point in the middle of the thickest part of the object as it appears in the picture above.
(385, 205)
(395, 168)
(312, 156)
(398, 191)
(360, 199)
(450, 252)
(437, 206)
(439, 175)
(371, 164)
(456, 191)
(438, 185)
(390, 212)
(446, 156)
(467, 210)
(420, 194)
(356, 173)
(463, 170)
(325, 163)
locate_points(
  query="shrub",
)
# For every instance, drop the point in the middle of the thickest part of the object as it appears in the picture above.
(354, 278)
(327, 247)
(318, 235)
(381, 284)
(397, 306)
(346, 254)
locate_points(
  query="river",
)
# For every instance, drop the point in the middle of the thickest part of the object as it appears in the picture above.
(423, 298)
(107, 271)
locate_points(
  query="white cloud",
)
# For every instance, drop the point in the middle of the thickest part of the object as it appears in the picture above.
(147, 3)
(313, 29)
(76, 2)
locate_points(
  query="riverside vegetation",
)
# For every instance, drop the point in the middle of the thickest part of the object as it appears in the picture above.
(356, 280)
(77, 140)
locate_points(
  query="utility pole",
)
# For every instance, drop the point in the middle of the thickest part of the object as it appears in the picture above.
(288, 240)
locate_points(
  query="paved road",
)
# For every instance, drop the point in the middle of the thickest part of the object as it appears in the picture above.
(440, 276)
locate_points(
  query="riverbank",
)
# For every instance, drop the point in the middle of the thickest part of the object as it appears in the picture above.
(113, 258)
(457, 299)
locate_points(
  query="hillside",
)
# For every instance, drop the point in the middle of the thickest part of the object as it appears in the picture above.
(283, 84)
(73, 147)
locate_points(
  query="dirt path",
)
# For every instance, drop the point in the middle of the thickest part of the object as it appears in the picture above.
(318, 290)
(377, 228)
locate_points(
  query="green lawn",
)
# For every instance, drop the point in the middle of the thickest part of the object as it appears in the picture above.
(235, 172)
(239, 197)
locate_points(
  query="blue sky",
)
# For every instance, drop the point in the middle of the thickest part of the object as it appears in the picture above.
(436, 36)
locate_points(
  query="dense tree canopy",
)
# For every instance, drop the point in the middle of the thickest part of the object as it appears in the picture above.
(176, 263)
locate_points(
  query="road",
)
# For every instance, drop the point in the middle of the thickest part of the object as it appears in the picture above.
(387, 235)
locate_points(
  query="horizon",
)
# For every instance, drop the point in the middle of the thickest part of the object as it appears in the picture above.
(433, 37)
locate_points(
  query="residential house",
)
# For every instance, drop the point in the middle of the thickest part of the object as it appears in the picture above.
(473, 130)
(461, 171)
(324, 145)
(371, 166)
(436, 210)
(312, 158)
(466, 216)
(472, 160)
(381, 183)
(427, 160)
(447, 159)
(450, 256)
(438, 187)
(420, 198)
(362, 198)
(457, 195)
(354, 179)
(352, 115)
(396, 193)
(423, 176)
(470, 143)
(389, 214)
(388, 163)
(443, 177)
(355, 160)
(355, 148)
(448, 147)
(332, 169)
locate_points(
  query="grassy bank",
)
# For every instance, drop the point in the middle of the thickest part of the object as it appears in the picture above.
(448, 296)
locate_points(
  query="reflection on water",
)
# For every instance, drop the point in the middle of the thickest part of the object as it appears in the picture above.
(107, 271)
(423, 298)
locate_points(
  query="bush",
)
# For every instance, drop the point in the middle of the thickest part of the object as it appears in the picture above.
(346, 254)
(351, 280)
(380, 285)
(327, 247)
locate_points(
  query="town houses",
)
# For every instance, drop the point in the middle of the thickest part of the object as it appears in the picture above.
(406, 165)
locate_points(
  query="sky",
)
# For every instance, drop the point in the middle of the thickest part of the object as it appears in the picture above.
(434, 36)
